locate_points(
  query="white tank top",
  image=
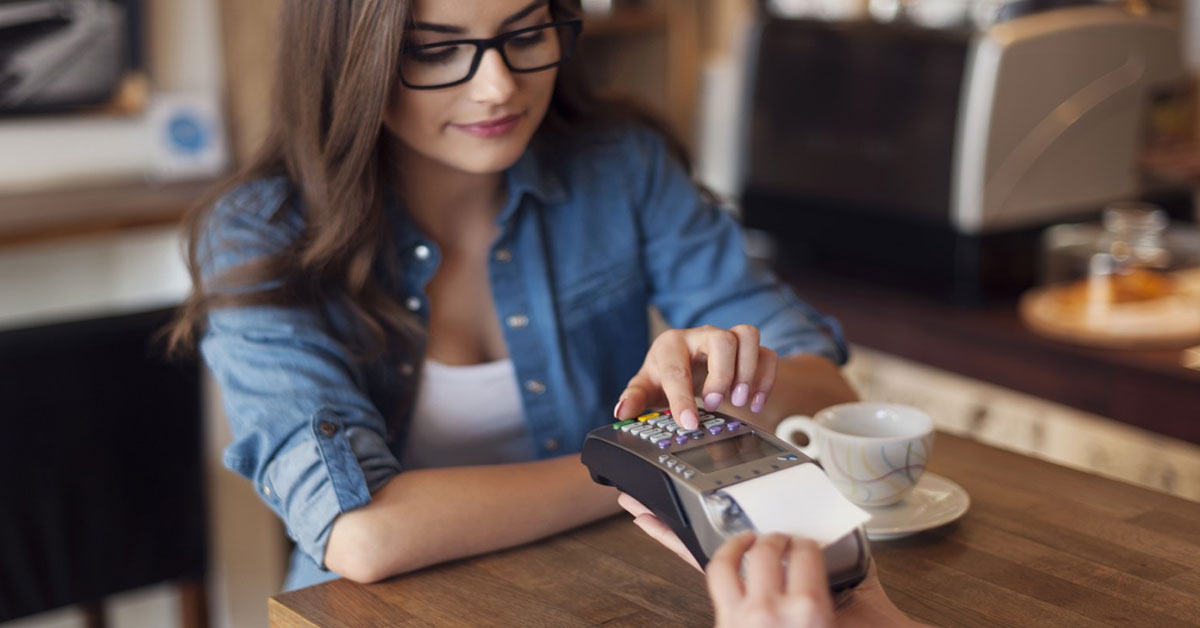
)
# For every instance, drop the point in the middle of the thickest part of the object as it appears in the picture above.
(467, 415)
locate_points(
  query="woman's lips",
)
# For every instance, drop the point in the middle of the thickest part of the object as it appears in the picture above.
(491, 128)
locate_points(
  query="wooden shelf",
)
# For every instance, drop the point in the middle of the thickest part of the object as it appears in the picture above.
(625, 22)
(649, 53)
(39, 216)
(1173, 164)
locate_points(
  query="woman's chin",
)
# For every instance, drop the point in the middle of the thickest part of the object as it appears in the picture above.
(489, 159)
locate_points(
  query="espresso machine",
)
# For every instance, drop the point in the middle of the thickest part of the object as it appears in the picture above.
(935, 157)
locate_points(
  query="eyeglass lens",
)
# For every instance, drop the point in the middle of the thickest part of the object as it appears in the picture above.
(441, 65)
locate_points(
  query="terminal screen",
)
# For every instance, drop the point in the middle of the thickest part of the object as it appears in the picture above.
(728, 453)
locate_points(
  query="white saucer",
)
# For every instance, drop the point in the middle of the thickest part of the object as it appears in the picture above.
(934, 501)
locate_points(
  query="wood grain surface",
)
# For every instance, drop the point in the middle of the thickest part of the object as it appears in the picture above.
(1042, 545)
(38, 216)
(1150, 389)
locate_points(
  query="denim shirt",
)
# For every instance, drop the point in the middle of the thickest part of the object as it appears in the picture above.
(588, 241)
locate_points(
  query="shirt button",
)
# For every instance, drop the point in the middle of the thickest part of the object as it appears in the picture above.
(421, 252)
(535, 387)
(518, 321)
(551, 444)
(327, 428)
(406, 369)
(266, 490)
(503, 255)
(412, 303)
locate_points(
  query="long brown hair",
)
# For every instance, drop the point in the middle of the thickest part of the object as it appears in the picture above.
(326, 137)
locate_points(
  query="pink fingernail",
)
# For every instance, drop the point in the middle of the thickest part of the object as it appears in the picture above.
(617, 410)
(756, 406)
(741, 394)
(688, 419)
(712, 401)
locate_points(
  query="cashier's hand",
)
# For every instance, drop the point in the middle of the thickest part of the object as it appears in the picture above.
(784, 582)
(730, 361)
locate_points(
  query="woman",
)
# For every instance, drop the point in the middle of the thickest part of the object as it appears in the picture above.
(433, 281)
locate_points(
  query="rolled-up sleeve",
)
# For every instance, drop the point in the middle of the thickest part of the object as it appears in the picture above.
(698, 268)
(303, 431)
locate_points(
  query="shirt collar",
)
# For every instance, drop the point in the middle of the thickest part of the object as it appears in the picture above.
(402, 224)
(532, 175)
(529, 175)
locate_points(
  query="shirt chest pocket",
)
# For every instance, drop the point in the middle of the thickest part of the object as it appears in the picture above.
(601, 290)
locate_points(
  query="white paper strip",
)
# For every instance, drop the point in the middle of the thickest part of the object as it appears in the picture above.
(799, 500)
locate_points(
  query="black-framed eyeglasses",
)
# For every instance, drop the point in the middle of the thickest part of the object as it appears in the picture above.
(450, 63)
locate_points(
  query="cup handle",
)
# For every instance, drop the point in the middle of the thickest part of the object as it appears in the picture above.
(788, 427)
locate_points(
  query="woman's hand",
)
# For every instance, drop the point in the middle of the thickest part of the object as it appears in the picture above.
(731, 362)
(656, 529)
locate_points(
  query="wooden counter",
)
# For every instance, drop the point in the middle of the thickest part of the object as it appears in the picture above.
(1147, 389)
(1042, 545)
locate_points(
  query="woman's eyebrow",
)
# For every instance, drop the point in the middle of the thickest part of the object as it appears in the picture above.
(515, 17)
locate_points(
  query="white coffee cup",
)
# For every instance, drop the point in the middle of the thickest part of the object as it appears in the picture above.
(873, 452)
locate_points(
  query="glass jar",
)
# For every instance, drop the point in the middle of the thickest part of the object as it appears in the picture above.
(1133, 278)
(1131, 237)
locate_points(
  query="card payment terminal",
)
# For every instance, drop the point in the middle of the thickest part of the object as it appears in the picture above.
(679, 475)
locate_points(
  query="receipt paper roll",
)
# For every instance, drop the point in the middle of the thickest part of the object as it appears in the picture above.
(799, 500)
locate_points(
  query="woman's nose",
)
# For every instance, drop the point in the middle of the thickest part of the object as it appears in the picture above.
(493, 82)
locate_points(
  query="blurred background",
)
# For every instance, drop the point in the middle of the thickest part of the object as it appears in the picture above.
(996, 197)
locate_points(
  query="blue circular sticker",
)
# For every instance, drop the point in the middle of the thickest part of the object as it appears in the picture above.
(187, 133)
